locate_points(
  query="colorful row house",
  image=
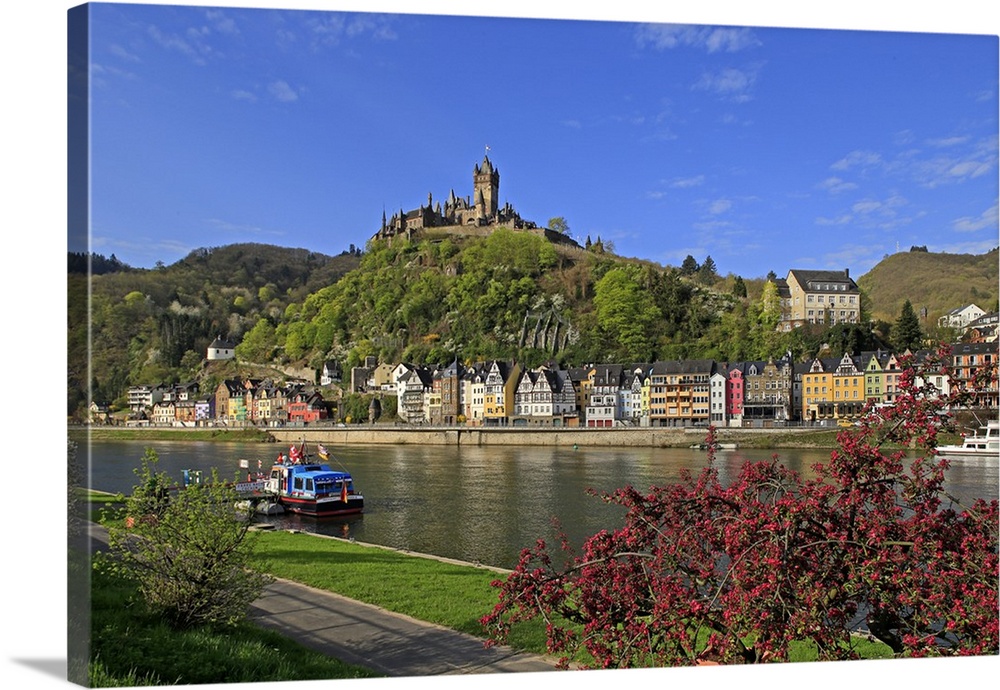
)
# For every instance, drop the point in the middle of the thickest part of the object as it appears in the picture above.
(680, 393)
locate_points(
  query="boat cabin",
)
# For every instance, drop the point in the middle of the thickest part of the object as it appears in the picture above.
(308, 480)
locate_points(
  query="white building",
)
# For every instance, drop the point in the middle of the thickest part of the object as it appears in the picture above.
(221, 348)
(961, 317)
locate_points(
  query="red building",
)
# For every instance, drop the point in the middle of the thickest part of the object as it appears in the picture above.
(306, 407)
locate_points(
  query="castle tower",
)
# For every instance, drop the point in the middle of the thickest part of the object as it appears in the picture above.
(486, 186)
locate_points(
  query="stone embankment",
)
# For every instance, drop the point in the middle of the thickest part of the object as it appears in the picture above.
(487, 436)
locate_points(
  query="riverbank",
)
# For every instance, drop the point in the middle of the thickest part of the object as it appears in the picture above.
(80, 434)
(368, 435)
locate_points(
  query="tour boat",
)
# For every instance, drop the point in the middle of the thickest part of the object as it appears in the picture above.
(314, 489)
(982, 445)
(298, 485)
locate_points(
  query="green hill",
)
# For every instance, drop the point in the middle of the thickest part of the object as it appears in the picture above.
(154, 325)
(937, 282)
(508, 295)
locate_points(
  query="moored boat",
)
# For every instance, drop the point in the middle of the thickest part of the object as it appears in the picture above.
(312, 488)
(984, 444)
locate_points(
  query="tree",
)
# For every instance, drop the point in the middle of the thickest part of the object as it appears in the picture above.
(765, 315)
(739, 287)
(188, 550)
(701, 572)
(707, 272)
(559, 224)
(689, 266)
(258, 344)
(626, 314)
(906, 331)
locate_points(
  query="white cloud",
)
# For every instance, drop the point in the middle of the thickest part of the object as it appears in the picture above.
(987, 219)
(221, 22)
(839, 220)
(731, 83)
(858, 257)
(883, 214)
(120, 52)
(970, 168)
(712, 39)
(979, 160)
(855, 159)
(835, 185)
(719, 206)
(329, 29)
(867, 206)
(193, 45)
(243, 95)
(282, 91)
(687, 182)
(974, 247)
(948, 141)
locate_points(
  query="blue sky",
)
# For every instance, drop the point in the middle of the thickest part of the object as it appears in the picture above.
(764, 148)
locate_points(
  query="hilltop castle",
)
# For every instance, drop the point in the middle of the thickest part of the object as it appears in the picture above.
(481, 211)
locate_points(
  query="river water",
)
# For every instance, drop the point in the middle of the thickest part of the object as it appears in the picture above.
(475, 504)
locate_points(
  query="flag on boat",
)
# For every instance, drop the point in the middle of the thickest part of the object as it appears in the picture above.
(343, 491)
(321, 450)
(294, 454)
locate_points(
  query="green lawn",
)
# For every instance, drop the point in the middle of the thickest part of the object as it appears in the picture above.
(454, 596)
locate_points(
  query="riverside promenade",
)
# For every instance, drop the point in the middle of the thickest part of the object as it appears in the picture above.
(622, 437)
(369, 636)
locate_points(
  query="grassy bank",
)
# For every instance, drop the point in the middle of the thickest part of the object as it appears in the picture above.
(111, 433)
(454, 596)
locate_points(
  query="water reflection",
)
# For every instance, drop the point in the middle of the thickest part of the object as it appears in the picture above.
(476, 504)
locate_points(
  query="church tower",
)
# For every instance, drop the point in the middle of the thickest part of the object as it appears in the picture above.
(486, 186)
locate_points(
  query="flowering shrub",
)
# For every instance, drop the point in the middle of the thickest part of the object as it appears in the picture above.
(701, 573)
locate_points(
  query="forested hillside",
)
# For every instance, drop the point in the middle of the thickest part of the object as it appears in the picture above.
(511, 295)
(154, 325)
(939, 282)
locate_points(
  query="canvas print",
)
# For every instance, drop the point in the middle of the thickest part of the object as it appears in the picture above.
(411, 345)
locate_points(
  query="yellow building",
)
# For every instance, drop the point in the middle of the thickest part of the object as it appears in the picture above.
(848, 388)
(824, 297)
(817, 390)
(498, 392)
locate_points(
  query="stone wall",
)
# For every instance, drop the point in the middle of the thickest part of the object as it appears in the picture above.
(485, 436)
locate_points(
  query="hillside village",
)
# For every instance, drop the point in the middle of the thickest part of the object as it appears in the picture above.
(681, 393)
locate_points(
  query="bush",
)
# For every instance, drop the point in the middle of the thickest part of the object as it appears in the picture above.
(189, 550)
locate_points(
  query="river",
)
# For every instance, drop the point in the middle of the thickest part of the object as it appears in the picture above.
(476, 504)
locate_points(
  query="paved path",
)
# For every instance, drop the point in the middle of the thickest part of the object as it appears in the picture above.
(369, 636)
